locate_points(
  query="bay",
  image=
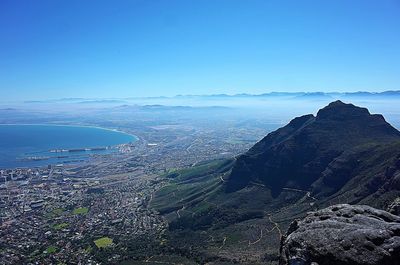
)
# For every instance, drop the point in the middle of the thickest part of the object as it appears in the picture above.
(39, 145)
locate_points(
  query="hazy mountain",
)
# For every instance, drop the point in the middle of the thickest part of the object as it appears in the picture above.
(392, 94)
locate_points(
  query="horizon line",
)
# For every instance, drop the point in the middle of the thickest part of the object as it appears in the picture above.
(217, 94)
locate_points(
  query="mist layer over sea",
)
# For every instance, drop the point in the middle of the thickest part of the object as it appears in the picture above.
(39, 145)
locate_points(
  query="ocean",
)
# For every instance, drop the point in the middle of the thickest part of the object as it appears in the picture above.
(40, 145)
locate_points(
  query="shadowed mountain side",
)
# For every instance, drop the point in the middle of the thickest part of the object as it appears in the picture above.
(296, 155)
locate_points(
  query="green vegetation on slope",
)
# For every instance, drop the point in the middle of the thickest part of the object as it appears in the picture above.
(194, 199)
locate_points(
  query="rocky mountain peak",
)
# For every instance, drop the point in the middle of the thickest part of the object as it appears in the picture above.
(338, 110)
(299, 153)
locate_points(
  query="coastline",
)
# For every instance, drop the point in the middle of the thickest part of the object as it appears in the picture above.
(13, 160)
(67, 125)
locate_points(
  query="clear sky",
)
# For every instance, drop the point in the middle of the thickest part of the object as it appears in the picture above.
(55, 49)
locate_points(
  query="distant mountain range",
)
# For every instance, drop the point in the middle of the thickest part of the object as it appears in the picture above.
(393, 94)
(303, 94)
(344, 154)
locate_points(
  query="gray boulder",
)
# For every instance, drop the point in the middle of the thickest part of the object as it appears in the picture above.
(342, 235)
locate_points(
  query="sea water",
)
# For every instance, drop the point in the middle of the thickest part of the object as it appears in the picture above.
(39, 145)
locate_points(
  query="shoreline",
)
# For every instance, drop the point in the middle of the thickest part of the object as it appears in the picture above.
(66, 125)
(133, 139)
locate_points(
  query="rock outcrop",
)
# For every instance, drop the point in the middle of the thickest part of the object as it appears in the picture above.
(343, 235)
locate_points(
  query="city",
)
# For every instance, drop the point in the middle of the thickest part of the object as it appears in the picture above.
(55, 214)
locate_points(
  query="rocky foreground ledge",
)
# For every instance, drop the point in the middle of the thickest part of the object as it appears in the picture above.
(342, 235)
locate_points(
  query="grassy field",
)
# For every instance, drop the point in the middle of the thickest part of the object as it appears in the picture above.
(51, 249)
(103, 242)
(60, 226)
(81, 210)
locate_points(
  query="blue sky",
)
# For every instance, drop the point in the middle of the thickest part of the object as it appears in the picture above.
(55, 49)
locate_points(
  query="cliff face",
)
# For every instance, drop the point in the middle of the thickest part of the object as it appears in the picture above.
(312, 147)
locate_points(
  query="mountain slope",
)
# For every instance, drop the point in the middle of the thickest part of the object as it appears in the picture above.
(296, 155)
(236, 209)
